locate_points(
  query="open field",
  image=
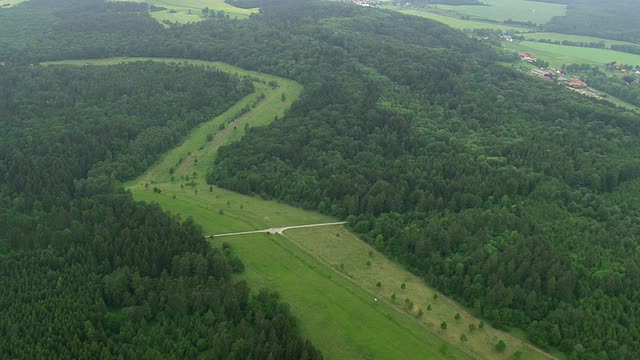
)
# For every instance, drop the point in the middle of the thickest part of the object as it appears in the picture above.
(575, 38)
(501, 10)
(363, 265)
(558, 55)
(337, 312)
(185, 11)
(458, 23)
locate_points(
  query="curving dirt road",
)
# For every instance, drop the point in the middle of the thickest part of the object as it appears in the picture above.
(279, 230)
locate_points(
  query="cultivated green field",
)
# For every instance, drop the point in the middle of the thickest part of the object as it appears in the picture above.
(501, 10)
(574, 38)
(558, 55)
(186, 11)
(458, 23)
(335, 307)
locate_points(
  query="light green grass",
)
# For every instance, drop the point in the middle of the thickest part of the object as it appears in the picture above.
(575, 38)
(558, 55)
(347, 254)
(517, 10)
(457, 23)
(187, 11)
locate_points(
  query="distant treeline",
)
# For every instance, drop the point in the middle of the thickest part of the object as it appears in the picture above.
(247, 4)
(593, 44)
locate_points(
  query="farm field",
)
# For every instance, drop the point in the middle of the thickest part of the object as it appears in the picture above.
(360, 327)
(558, 55)
(501, 10)
(185, 11)
(456, 22)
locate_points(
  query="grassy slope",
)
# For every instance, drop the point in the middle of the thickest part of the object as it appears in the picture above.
(336, 312)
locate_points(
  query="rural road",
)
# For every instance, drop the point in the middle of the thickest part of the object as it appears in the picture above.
(279, 230)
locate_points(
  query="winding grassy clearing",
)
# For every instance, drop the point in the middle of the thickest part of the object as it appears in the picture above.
(558, 55)
(335, 306)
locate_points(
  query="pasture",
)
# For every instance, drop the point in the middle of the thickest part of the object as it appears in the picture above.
(558, 55)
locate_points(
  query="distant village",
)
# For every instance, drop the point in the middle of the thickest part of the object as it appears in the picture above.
(574, 83)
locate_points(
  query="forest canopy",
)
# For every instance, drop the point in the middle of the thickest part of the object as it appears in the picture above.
(86, 271)
(515, 197)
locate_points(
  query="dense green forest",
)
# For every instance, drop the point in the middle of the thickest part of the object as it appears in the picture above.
(517, 198)
(86, 271)
(614, 19)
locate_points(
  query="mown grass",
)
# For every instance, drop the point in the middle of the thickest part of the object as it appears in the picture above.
(558, 55)
(364, 266)
(574, 38)
(337, 315)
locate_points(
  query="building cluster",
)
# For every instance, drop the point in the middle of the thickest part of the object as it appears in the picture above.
(551, 74)
(626, 70)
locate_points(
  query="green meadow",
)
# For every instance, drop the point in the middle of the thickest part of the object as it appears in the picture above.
(355, 260)
(457, 22)
(321, 272)
(9, 3)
